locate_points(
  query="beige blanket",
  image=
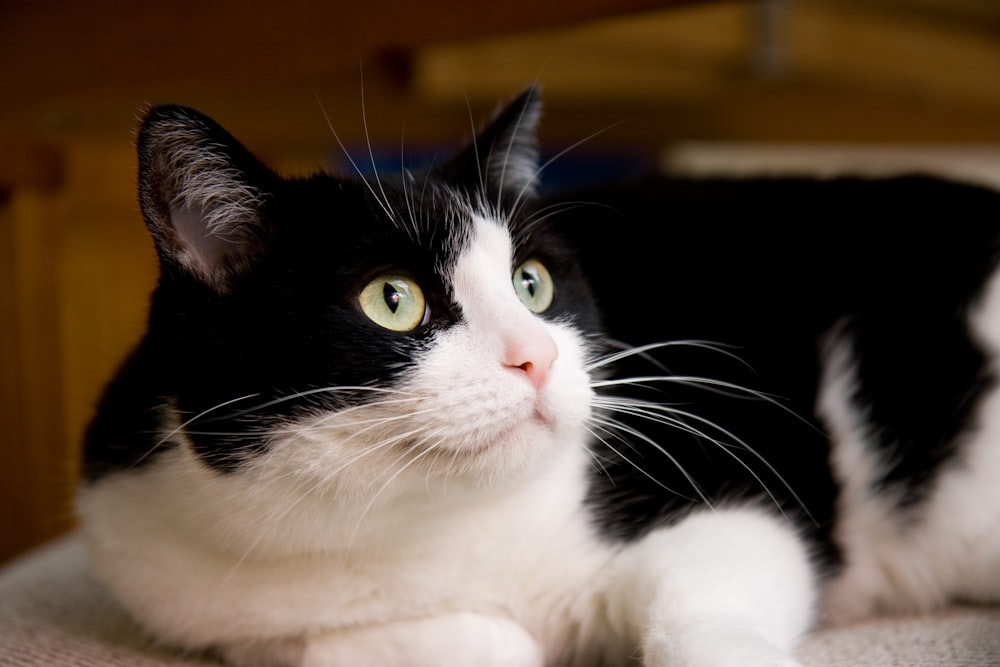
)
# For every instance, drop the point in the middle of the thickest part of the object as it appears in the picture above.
(53, 614)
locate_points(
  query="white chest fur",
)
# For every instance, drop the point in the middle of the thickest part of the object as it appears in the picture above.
(523, 552)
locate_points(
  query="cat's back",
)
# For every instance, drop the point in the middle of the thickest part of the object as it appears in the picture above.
(763, 251)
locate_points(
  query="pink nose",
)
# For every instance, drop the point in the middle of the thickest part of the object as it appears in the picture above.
(532, 353)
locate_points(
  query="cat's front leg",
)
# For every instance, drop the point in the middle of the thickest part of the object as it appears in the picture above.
(732, 588)
(455, 640)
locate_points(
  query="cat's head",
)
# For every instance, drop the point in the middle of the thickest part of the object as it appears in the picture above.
(359, 332)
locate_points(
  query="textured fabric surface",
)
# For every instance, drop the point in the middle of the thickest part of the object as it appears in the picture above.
(954, 637)
(53, 614)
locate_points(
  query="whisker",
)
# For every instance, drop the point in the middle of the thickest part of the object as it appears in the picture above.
(183, 425)
(538, 172)
(275, 521)
(338, 416)
(506, 160)
(305, 394)
(371, 155)
(368, 451)
(690, 380)
(709, 384)
(725, 447)
(525, 228)
(451, 465)
(611, 427)
(598, 463)
(388, 482)
(287, 508)
(322, 423)
(618, 425)
(475, 144)
(406, 177)
(642, 350)
(672, 416)
(350, 159)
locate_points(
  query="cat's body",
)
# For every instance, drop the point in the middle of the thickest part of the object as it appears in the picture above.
(873, 307)
(310, 461)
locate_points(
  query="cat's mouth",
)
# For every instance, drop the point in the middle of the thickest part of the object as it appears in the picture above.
(525, 432)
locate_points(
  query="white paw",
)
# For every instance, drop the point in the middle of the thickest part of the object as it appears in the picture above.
(496, 642)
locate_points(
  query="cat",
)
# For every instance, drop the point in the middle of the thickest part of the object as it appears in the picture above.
(444, 417)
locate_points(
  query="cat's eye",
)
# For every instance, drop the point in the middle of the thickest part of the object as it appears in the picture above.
(395, 302)
(533, 285)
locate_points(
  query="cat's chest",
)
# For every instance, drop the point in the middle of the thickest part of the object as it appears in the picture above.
(526, 552)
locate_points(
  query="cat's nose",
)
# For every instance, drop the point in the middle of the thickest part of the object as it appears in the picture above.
(532, 353)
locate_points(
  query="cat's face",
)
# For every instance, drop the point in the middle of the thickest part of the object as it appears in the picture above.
(362, 335)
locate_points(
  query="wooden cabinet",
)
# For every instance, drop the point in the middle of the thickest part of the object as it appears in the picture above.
(75, 268)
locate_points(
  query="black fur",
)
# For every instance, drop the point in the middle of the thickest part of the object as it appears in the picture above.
(769, 268)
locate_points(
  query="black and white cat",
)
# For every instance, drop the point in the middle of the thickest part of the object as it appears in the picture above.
(432, 418)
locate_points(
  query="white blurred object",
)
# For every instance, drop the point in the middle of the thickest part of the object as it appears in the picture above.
(977, 164)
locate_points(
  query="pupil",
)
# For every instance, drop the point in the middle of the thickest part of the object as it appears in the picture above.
(529, 282)
(391, 296)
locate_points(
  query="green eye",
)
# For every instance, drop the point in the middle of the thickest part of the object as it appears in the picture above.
(394, 302)
(533, 285)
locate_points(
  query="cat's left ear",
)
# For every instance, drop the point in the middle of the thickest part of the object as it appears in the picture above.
(504, 156)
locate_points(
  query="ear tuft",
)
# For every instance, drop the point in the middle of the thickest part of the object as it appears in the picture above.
(201, 195)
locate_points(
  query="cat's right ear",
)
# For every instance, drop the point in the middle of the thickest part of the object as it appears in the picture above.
(203, 195)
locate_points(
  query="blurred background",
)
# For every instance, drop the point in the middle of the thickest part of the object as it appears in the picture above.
(698, 84)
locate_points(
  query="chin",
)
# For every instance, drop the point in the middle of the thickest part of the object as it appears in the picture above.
(521, 453)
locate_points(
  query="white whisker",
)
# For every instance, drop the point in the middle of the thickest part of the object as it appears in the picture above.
(183, 426)
(475, 146)
(506, 159)
(708, 384)
(350, 159)
(405, 178)
(525, 228)
(299, 395)
(625, 428)
(388, 482)
(371, 155)
(538, 172)
(642, 350)
(674, 417)
(612, 427)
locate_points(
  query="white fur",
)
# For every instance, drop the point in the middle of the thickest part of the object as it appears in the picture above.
(465, 541)
(950, 547)
(727, 588)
